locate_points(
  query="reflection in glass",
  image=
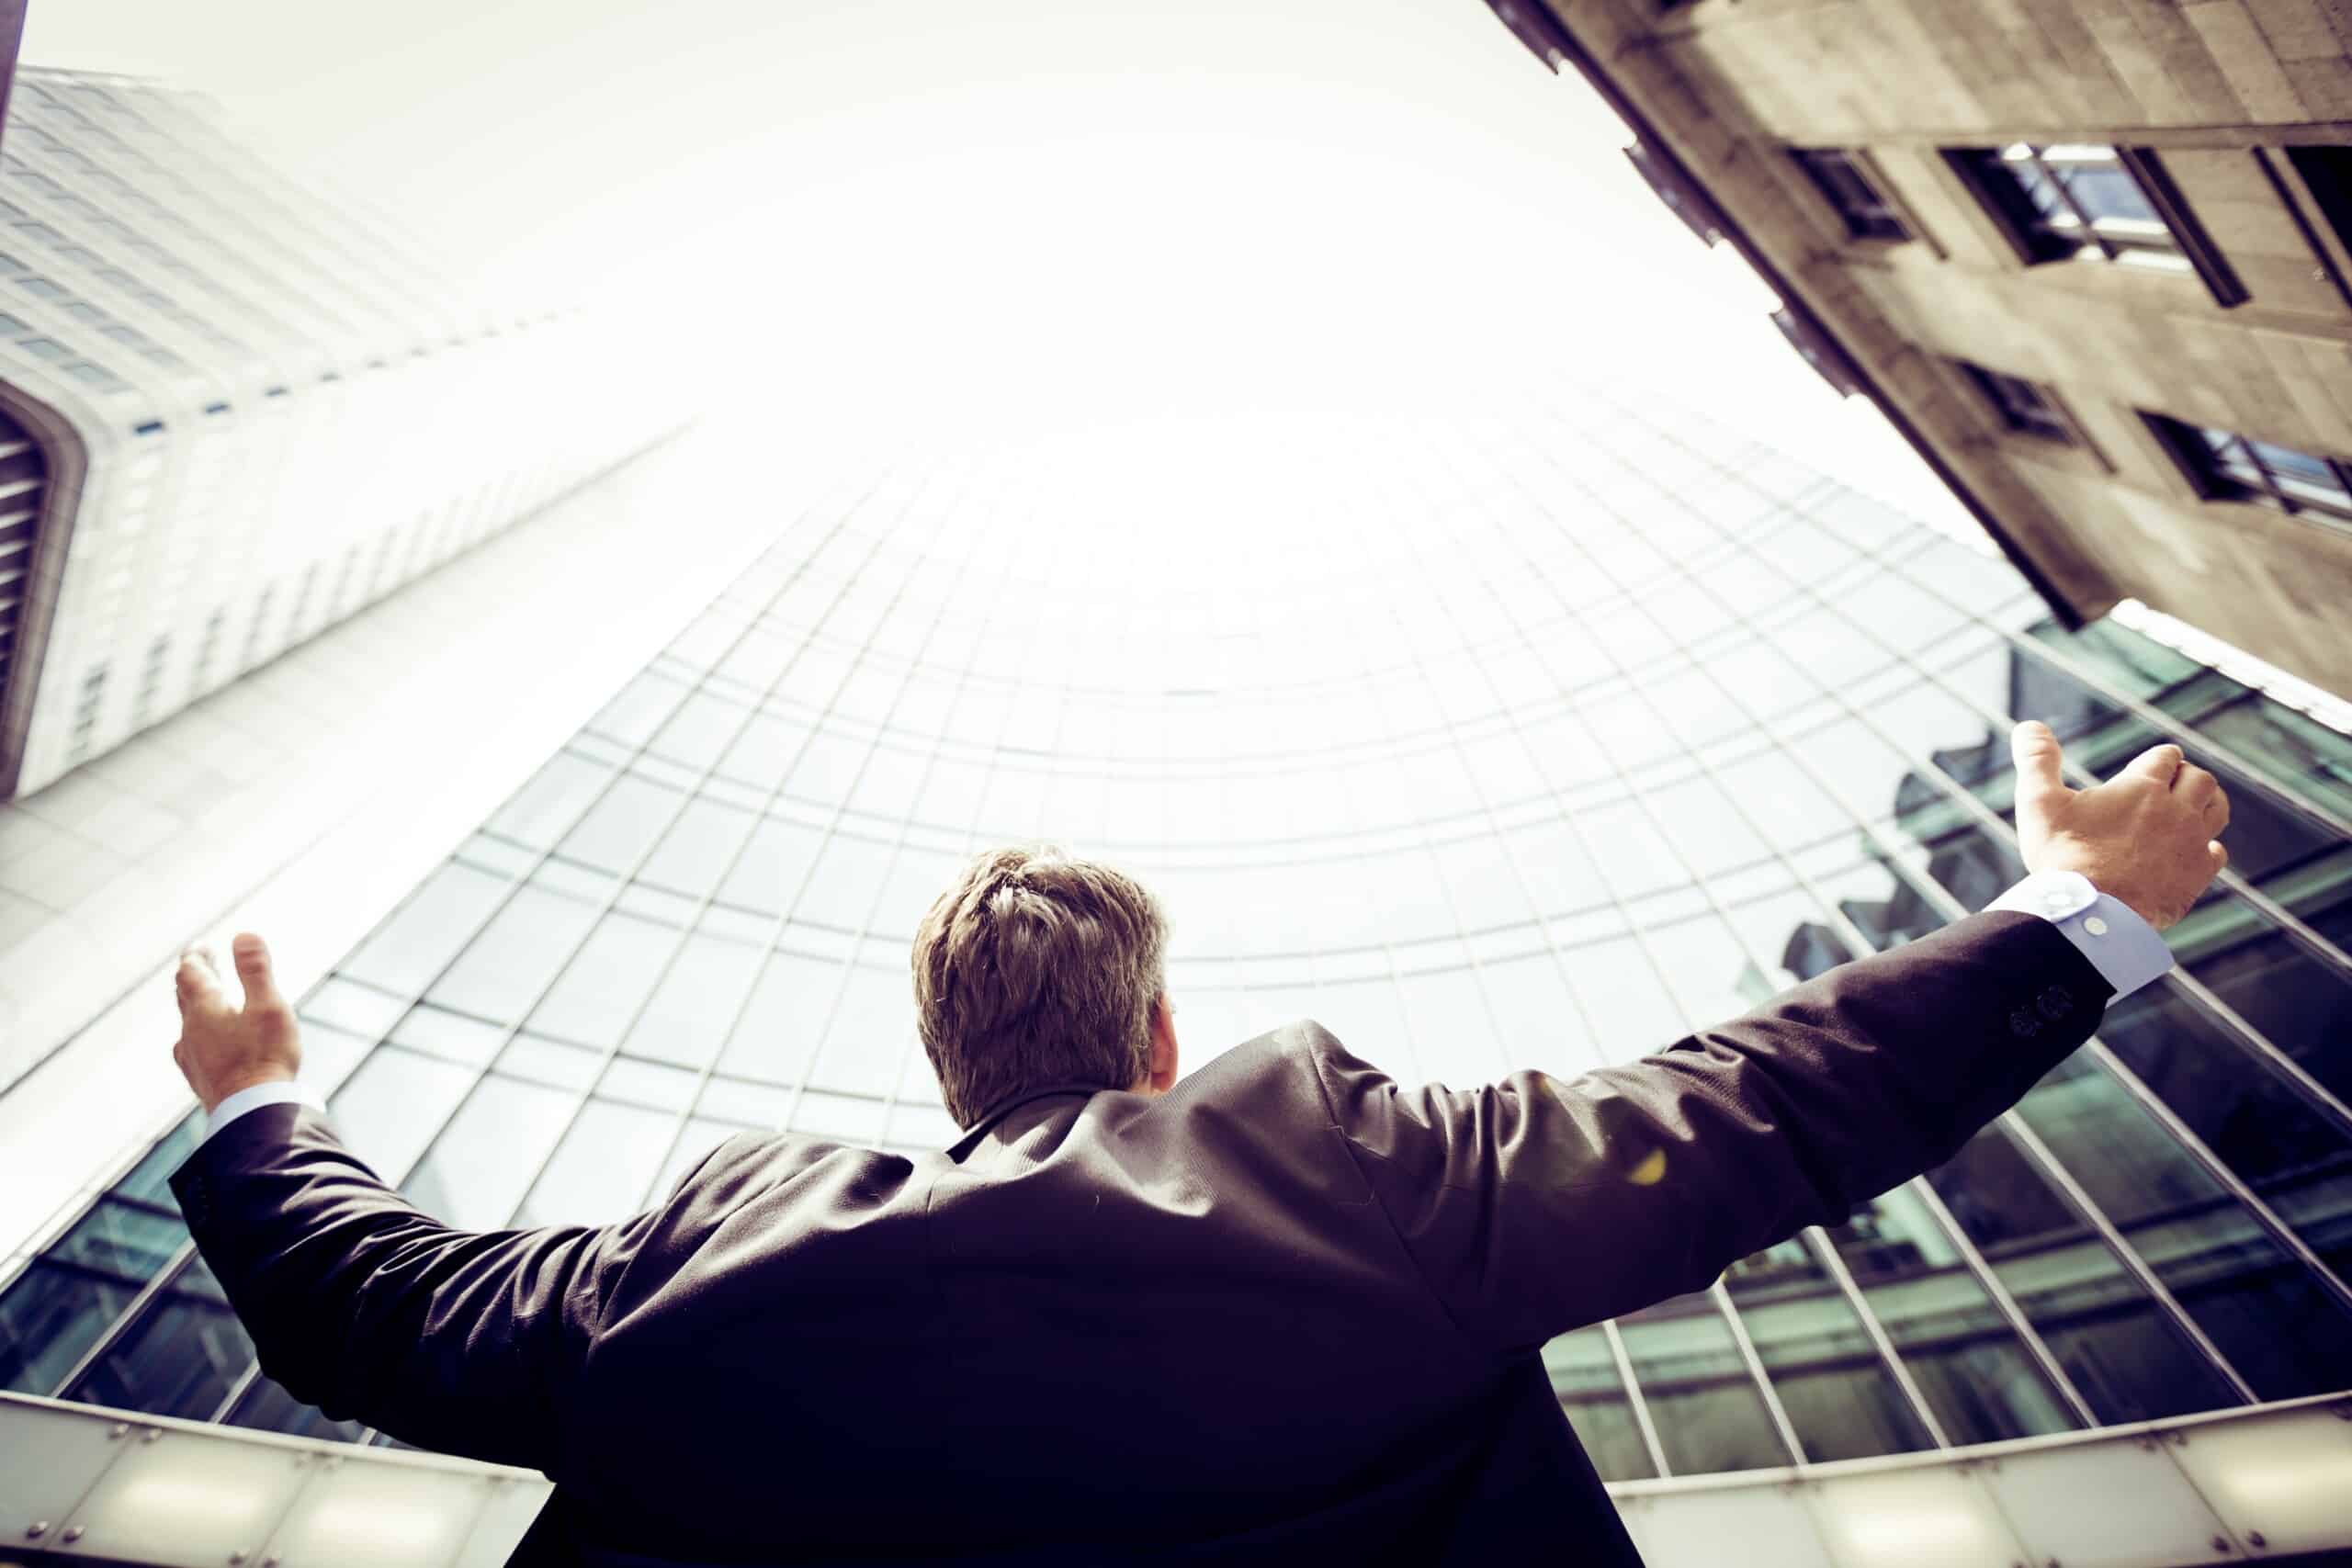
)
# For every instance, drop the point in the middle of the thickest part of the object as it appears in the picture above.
(1967, 1361)
(1584, 1376)
(57, 1309)
(1839, 1395)
(2281, 1331)
(2128, 1361)
(181, 1358)
(1708, 1411)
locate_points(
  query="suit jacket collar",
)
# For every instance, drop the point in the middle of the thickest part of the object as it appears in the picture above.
(961, 1149)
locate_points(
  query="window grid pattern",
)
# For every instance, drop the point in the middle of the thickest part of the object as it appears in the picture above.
(1527, 742)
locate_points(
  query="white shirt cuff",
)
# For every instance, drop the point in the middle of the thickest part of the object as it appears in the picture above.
(2122, 947)
(283, 1092)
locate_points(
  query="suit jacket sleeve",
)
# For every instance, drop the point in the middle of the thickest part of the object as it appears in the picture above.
(373, 1311)
(1536, 1205)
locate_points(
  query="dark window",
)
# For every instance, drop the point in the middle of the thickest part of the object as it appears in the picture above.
(2065, 201)
(2225, 465)
(2328, 172)
(86, 708)
(1849, 190)
(2021, 404)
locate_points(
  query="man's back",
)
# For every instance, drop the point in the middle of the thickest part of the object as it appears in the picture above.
(1101, 1320)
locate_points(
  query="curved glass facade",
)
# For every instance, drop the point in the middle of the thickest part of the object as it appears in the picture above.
(1535, 740)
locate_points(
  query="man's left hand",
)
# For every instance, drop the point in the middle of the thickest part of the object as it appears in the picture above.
(223, 1047)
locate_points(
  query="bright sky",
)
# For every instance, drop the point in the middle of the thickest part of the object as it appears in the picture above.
(889, 224)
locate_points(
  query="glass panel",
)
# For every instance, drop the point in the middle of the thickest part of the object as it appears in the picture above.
(181, 1358)
(595, 999)
(542, 810)
(602, 1169)
(2294, 748)
(1969, 1364)
(2128, 1361)
(2271, 1320)
(1709, 1413)
(148, 1181)
(1839, 1395)
(622, 824)
(2107, 192)
(773, 867)
(388, 1109)
(478, 1168)
(55, 1311)
(699, 849)
(870, 1030)
(696, 1002)
(779, 1032)
(1584, 1376)
(2302, 1005)
(503, 970)
(418, 939)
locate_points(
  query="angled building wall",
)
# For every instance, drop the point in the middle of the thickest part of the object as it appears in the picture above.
(2092, 259)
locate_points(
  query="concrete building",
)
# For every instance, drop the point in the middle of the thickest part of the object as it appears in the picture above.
(233, 412)
(2091, 259)
(1537, 738)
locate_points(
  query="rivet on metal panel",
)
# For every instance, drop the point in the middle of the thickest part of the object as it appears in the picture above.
(2179, 1438)
(2257, 1539)
(269, 1562)
(70, 1534)
(2319, 275)
(151, 1433)
(2343, 1408)
(36, 1529)
(120, 1428)
(2220, 1543)
(236, 1557)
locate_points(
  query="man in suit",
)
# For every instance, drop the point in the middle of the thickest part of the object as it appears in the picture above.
(1284, 1309)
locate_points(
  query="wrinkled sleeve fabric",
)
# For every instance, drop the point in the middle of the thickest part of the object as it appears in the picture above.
(1537, 1204)
(374, 1312)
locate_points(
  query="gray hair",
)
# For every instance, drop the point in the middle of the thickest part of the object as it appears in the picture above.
(1035, 968)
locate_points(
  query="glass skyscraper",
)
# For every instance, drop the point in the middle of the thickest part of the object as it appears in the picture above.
(1537, 738)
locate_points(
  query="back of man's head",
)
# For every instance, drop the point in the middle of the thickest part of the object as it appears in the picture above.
(1033, 968)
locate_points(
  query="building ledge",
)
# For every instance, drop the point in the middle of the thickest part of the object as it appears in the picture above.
(2259, 1482)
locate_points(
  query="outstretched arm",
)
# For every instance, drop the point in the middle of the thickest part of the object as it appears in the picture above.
(356, 1301)
(1536, 1205)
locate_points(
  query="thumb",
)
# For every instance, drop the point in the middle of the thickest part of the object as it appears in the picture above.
(252, 970)
(2040, 784)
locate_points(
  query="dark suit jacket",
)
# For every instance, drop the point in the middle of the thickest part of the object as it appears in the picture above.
(1288, 1312)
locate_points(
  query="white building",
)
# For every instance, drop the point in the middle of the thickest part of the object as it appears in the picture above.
(232, 413)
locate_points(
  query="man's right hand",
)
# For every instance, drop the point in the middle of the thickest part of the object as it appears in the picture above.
(2146, 837)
